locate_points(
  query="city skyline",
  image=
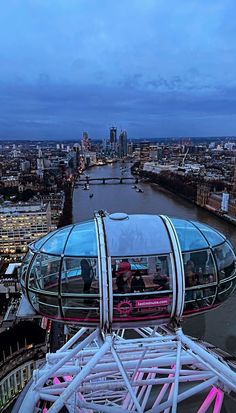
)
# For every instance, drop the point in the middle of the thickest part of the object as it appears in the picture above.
(155, 69)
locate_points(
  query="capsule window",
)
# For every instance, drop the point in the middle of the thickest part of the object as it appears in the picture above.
(79, 276)
(225, 289)
(199, 268)
(142, 287)
(225, 259)
(80, 289)
(44, 273)
(25, 267)
(141, 274)
(200, 279)
(45, 304)
(190, 238)
(81, 308)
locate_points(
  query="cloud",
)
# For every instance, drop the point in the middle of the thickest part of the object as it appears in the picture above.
(145, 64)
(51, 110)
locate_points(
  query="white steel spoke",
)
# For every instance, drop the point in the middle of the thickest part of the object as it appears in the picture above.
(78, 379)
(126, 380)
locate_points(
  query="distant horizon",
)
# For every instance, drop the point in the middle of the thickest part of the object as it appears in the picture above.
(61, 140)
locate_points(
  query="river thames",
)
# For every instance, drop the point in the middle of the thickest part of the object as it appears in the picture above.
(218, 326)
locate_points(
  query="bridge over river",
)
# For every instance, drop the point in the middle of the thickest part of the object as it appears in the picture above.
(105, 180)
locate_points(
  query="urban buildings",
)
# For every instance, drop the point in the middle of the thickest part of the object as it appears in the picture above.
(202, 171)
(21, 224)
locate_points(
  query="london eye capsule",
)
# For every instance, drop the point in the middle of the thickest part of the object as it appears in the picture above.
(122, 270)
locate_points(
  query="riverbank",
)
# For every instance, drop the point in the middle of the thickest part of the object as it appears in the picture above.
(224, 217)
(207, 208)
(167, 185)
(186, 189)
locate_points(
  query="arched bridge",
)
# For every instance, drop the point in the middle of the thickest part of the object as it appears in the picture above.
(110, 180)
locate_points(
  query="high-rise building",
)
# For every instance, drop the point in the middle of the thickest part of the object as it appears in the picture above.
(130, 148)
(123, 144)
(113, 136)
(40, 164)
(86, 142)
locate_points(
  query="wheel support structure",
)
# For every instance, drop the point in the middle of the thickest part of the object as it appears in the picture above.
(147, 370)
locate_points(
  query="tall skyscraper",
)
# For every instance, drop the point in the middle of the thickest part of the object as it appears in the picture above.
(123, 144)
(113, 136)
(40, 164)
(86, 142)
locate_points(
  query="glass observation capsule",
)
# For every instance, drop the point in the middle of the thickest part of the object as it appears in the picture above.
(128, 270)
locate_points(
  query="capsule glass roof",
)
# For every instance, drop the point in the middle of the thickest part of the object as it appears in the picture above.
(194, 235)
(136, 235)
(128, 235)
(77, 240)
(213, 236)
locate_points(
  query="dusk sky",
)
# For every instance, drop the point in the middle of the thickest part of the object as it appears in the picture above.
(157, 68)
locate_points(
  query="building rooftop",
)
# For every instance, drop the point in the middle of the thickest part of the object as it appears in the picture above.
(8, 207)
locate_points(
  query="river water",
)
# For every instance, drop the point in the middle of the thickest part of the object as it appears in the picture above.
(218, 326)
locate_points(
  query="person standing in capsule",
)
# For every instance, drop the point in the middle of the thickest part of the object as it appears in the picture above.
(87, 275)
(124, 274)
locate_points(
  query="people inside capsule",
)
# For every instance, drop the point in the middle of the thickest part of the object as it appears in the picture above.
(137, 285)
(200, 274)
(87, 275)
(161, 275)
(124, 275)
(80, 281)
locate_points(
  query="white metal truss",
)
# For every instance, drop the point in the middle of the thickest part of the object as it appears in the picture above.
(178, 276)
(103, 272)
(157, 370)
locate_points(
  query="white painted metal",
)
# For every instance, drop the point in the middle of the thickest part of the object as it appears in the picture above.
(68, 356)
(103, 272)
(110, 291)
(151, 373)
(76, 382)
(179, 275)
